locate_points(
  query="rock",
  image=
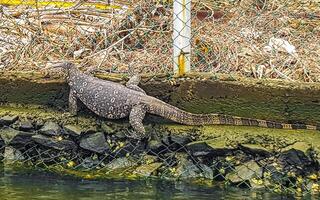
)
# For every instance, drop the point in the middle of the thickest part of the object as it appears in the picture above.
(132, 146)
(120, 135)
(157, 147)
(148, 159)
(275, 173)
(51, 129)
(2, 147)
(186, 169)
(73, 130)
(8, 120)
(2, 144)
(91, 130)
(7, 134)
(89, 163)
(54, 143)
(301, 146)
(148, 169)
(25, 125)
(11, 154)
(245, 172)
(174, 142)
(206, 171)
(95, 142)
(209, 147)
(13, 137)
(106, 128)
(199, 148)
(38, 124)
(170, 159)
(294, 158)
(255, 149)
(121, 163)
(180, 139)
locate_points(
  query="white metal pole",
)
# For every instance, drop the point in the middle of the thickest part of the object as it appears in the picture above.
(181, 36)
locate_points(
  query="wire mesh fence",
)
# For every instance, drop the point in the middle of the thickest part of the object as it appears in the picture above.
(104, 151)
(252, 38)
(261, 39)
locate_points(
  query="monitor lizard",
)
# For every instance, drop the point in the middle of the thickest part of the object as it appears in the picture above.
(114, 101)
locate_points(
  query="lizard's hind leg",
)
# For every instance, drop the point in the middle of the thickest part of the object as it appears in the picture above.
(135, 119)
(73, 106)
(134, 80)
(133, 84)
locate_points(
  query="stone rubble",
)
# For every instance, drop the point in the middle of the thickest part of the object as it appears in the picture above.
(170, 156)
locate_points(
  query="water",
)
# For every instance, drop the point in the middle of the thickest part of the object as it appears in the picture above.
(40, 185)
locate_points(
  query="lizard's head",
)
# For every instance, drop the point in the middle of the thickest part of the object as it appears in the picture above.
(66, 67)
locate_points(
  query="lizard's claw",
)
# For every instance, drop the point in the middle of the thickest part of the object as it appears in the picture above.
(134, 135)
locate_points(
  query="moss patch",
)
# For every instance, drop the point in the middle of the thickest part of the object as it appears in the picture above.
(223, 136)
(198, 93)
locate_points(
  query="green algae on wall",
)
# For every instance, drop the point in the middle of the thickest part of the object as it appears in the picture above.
(246, 99)
(199, 93)
(32, 88)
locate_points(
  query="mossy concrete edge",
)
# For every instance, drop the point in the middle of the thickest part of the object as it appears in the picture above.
(199, 93)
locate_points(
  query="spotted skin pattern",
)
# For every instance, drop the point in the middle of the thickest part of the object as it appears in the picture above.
(114, 101)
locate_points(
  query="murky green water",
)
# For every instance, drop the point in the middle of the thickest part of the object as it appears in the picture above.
(25, 186)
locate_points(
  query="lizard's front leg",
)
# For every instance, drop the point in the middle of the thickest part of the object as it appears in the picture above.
(134, 80)
(73, 106)
(133, 84)
(135, 119)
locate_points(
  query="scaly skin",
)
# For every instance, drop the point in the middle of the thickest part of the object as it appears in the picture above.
(114, 101)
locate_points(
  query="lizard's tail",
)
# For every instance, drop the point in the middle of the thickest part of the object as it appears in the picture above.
(175, 114)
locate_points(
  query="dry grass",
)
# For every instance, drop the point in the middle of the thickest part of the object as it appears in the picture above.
(231, 39)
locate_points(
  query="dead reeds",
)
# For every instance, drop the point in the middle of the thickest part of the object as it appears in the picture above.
(246, 38)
